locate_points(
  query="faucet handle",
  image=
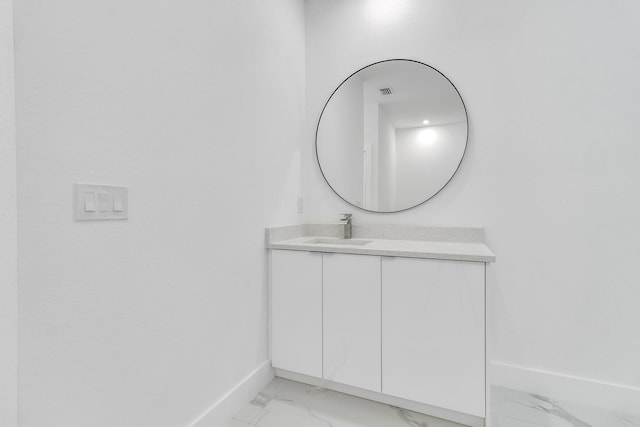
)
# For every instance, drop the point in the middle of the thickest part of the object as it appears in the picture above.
(347, 216)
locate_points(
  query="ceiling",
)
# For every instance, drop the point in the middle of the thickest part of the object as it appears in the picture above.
(419, 93)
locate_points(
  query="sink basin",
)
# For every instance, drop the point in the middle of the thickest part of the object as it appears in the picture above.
(335, 241)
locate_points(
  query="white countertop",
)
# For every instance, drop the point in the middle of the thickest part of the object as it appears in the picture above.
(459, 244)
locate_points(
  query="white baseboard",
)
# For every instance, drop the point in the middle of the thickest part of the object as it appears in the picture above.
(222, 411)
(587, 391)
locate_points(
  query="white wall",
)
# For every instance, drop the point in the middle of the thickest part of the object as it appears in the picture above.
(552, 166)
(8, 226)
(197, 107)
(343, 133)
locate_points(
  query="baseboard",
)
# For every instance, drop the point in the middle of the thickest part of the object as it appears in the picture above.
(222, 411)
(458, 417)
(615, 397)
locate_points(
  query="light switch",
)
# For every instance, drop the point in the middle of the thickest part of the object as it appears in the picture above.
(118, 206)
(103, 202)
(89, 202)
(94, 202)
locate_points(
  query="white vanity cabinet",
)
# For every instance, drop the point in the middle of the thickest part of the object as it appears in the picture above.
(351, 320)
(405, 330)
(433, 332)
(325, 316)
(296, 311)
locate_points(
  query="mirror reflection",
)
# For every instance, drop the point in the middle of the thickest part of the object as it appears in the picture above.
(391, 136)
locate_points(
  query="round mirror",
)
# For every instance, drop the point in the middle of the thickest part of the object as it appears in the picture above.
(392, 135)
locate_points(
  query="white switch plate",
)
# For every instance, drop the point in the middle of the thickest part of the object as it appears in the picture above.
(107, 203)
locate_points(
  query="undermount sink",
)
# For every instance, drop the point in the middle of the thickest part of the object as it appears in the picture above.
(336, 241)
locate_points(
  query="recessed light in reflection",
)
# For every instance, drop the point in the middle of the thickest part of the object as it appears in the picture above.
(425, 122)
(427, 137)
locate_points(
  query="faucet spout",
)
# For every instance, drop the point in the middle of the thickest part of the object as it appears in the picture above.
(346, 221)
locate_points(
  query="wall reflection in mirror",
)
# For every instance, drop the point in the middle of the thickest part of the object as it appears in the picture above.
(392, 135)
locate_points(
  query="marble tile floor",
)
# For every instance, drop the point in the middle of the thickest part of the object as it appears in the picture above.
(513, 408)
(284, 403)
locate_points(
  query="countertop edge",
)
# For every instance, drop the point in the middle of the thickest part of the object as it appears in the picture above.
(382, 252)
(468, 242)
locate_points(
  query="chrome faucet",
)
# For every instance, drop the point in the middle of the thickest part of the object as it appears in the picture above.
(346, 220)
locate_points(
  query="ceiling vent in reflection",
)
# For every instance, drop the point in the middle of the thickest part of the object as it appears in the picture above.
(386, 91)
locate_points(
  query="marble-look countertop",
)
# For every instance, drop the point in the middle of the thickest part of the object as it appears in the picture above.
(448, 243)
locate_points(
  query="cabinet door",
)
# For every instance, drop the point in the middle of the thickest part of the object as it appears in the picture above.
(296, 311)
(351, 307)
(433, 323)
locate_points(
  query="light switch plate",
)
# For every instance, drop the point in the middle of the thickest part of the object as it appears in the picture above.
(100, 202)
